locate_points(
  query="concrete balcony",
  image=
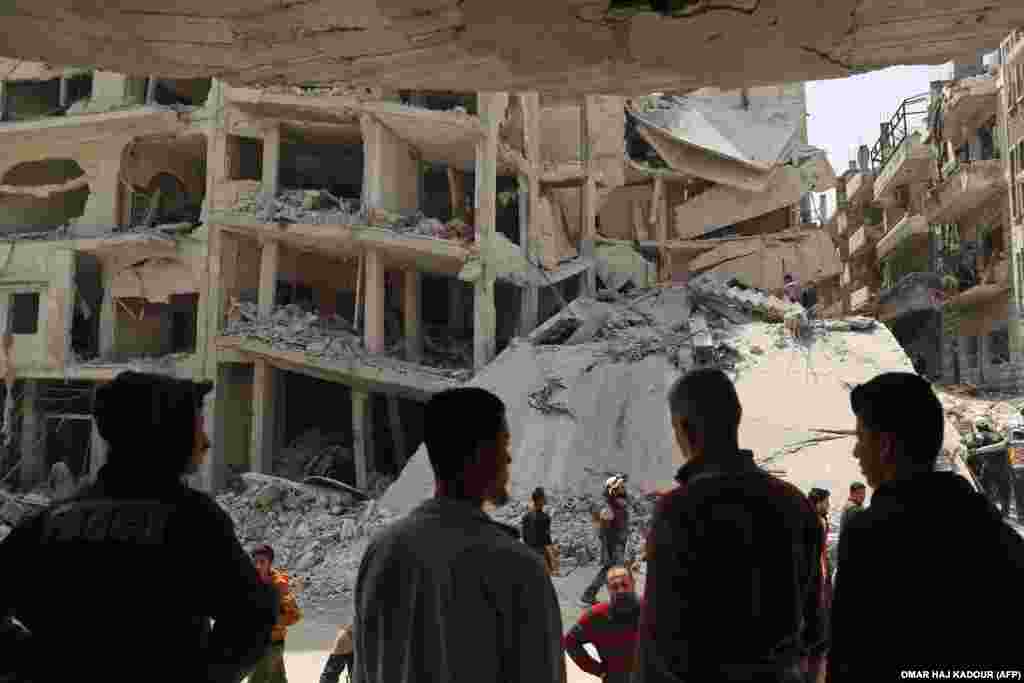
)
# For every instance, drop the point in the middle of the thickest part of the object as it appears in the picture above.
(972, 184)
(863, 238)
(858, 187)
(860, 300)
(911, 163)
(911, 226)
(966, 105)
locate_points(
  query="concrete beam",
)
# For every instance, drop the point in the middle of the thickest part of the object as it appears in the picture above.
(412, 316)
(263, 413)
(33, 451)
(60, 305)
(270, 255)
(271, 159)
(390, 168)
(373, 337)
(492, 108)
(361, 442)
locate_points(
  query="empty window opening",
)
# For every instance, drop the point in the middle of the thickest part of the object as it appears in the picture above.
(66, 199)
(446, 306)
(189, 92)
(336, 167)
(24, 312)
(245, 158)
(85, 323)
(439, 100)
(28, 100)
(999, 347)
(164, 201)
(972, 351)
(144, 329)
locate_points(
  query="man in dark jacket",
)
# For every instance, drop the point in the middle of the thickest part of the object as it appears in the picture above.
(894, 609)
(102, 580)
(448, 594)
(734, 557)
(536, 527)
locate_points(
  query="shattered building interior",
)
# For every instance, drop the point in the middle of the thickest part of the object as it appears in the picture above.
(363, 248)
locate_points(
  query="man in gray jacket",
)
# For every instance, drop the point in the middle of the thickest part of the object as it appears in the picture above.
(447, 594)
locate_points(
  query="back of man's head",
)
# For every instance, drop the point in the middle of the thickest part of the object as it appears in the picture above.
(149, 420)
(705, 400)
(903, 404)
(456, 423)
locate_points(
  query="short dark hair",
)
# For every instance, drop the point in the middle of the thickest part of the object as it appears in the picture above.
(903, 404)
(538, 493)
(817, 495)
(456, 422)
(149, 420)
(707, 401)
(264, 550)
(857, 486)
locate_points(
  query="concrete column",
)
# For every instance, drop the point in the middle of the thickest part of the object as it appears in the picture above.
(374, 303)
(60, 304)
(456, 307)
(33, 452)
(270, 255)
(362, 449)
(263, 413)
(108, 319)
(3, 100)
(492, 107)
(391, 174)
(151, 90)
(102, 210)
(63, 101)
(210, 475)
(97, 452)
(588, 200)
(271, 159)
(529, 205)
(412, 316)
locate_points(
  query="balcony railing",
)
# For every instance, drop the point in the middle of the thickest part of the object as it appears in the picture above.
(909, 115)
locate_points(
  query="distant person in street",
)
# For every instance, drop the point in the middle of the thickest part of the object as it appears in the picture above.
(809, 299)
(270, 668)
(536, 526)
(611, 627)
(340, 659)
(733, 588)
(894, 609)
(996, 473)
(791, 288)
(820, 500)
(447, 593)
(854, 505)
(612, 522)
(107, 582)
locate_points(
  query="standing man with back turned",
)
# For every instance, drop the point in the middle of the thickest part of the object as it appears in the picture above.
(101, 579)
(448, 595)
(892, 611)
(734, 557)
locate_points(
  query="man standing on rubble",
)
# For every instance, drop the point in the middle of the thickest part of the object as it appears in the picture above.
(447, 593)
(536, 526)
(734, 557)
(611, 627)
(894, 608)
(612, 522)
(103, 581)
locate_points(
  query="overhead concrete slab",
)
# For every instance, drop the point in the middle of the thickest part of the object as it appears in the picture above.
(547, 45)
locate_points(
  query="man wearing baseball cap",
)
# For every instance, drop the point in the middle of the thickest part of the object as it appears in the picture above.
(121, 581)
(897, 605)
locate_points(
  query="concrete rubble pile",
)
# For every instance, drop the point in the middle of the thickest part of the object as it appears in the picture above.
(586, 392)
(318, 533)
(16, 507)
(963, 410)
(320, 207)
(291, 328)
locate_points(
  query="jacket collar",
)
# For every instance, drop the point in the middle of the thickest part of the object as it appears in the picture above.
(740, 461)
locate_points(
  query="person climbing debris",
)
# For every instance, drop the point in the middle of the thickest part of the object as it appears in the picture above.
(611, 627)
(612, 523)
(270, 668)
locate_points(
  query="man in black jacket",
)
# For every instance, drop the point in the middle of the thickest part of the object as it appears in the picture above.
(120, 582)
(894, 608)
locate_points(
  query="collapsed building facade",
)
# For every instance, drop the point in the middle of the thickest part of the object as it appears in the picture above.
(923, 226)
(331, 257)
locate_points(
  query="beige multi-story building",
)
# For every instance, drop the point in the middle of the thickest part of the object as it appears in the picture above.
(332, 257)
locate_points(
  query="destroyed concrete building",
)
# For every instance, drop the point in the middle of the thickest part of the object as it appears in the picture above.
(331, 257)
(923, 227)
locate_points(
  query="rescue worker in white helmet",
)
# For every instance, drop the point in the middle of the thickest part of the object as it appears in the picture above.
(612, 522)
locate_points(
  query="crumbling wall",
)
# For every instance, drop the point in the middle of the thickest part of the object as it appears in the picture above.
(626, 213)
(984, 354)
(142, 163)
(30, 266)
(42, 195)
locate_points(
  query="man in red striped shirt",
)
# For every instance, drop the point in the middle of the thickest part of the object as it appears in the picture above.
(611, 627)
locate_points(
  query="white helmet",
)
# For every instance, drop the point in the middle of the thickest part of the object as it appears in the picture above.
(982, 423)
(614, 482)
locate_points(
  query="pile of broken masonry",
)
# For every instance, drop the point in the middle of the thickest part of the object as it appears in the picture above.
(320, 207)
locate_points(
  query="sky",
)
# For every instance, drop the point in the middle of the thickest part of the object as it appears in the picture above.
(844, 113)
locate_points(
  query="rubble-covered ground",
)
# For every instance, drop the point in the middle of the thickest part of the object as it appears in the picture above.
(320, 207)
